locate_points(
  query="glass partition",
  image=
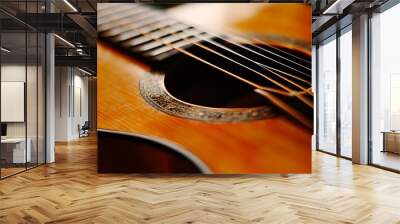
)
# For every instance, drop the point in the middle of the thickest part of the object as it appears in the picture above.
(41, 97)
(22, 88)
(345, 92)
(31, 99)
(385, 89)
(327, 95)
(13, 109)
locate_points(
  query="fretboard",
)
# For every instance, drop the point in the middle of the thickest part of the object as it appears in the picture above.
(281, 75)
(144, 31)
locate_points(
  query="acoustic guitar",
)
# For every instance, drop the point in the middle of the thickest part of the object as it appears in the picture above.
(204, 88)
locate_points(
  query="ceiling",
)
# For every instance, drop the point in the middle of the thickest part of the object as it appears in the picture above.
(75, 22)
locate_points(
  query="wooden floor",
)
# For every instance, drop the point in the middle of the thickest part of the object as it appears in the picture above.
(70, 191)
(387, 159)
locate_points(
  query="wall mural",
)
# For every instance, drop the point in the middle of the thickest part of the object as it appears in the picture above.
(204, 88)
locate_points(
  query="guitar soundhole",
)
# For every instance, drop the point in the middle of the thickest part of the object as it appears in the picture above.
(196, 82)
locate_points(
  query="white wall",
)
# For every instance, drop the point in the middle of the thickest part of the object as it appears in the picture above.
(71, 102)
(33, 127)
(62, 77)
(15, 72)
(80, 110)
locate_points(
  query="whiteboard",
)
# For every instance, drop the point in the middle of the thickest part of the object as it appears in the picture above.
(12, 101)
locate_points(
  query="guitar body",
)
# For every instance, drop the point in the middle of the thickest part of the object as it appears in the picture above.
(215, 139)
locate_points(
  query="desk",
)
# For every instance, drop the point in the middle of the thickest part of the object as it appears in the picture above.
(391, 141)
(13, 150)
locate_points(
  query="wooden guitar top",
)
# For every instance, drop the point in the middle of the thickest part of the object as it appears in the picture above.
(274, 145)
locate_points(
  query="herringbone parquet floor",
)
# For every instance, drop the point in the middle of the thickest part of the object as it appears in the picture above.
(70, 191)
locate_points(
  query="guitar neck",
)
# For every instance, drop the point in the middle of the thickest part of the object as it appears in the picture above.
(154, 37)
(145, 32)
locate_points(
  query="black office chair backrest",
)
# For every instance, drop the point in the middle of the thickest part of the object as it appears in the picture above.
(86, 125)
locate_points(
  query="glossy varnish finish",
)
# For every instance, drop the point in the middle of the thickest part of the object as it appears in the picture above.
(276, 145)
(71, 191)
(264, 146)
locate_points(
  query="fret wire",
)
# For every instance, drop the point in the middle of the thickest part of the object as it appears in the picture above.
(118, 12)
(126, 21)
(104, 17)
(288, 91)
(146, 21)
(118, 20)
(107, 7)
(291, 92)
(170, 28)
(152, 45)
(165, 49)
(221, 69)
(142, 39)
(127, 36)
(290, 81)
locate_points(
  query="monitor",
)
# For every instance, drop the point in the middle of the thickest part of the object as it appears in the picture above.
(3, 129)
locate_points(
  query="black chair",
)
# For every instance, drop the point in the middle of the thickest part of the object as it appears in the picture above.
(84, 130)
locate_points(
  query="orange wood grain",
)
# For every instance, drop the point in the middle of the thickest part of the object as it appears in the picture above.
(287, 20)
(274, 145)
(267, 146)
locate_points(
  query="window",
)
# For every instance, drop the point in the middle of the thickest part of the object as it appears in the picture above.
(385, 89)
(346, 93)
(327, 96)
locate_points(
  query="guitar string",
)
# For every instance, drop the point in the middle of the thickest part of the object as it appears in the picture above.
(264, 66)
(260, 89)
(290, 91)
(144, 9)
(287, 108)
(307, 102)
(304, 100)
(244, 57)
(233, 35)
(123, 9)
(264, 91)
(216, 44)
(287, 53)
(262, 55)
(204, 47)
(211, 64)
(246, 41)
